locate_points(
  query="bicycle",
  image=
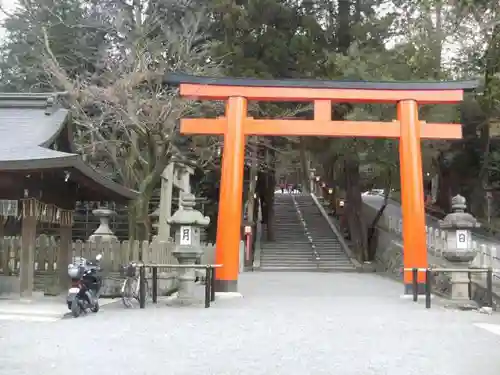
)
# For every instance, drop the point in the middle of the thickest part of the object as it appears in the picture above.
(130, 286)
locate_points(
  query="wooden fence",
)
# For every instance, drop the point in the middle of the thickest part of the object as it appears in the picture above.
(114, 253)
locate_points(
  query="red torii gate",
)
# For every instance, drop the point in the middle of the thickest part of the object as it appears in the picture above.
(236, 124)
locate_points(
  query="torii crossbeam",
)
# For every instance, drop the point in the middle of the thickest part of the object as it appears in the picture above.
(236, 124)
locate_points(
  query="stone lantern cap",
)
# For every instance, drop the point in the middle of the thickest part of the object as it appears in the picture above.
(103, 212)
(459, 219)
(104, 232)
(187, 215)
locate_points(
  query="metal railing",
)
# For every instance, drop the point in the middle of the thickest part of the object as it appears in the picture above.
(315, 254)
(429, 276)
(209, 280)
(335, 231)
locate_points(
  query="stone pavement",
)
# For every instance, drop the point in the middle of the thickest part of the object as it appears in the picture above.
(287, 323)
(37, 309)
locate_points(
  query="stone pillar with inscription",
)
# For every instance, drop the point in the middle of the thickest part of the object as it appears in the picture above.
(187, 223)
(167, 188)
(458, 250)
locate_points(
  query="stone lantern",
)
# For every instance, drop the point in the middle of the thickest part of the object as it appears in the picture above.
(458, 250)
(187, 223)
(104, 232)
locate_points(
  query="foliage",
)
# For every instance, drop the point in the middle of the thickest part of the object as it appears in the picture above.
(126, 116)
(76, 37)
(111, 56)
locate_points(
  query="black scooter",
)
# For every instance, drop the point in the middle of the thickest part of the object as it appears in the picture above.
(86, 283)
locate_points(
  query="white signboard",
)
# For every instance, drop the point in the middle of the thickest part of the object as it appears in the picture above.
(185, 235)
(462, 239)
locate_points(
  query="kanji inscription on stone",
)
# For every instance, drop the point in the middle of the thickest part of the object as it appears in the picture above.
(185, 235)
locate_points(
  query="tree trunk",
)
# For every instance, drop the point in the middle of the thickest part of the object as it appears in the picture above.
(132, 235)
(252, 182)
(372, 229)
(304, 165)
(444, 185)
(343, 26)
(353, 209)
(270, 185)
(492, 58)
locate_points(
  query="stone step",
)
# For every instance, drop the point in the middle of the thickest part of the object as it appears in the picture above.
(294, 257)
(324, 240)
(289, 256)
(333, 257)
(277, 268)
(287, 245)
(290, 236)
(337, 258)
(284, 261)
(347, 266)
(284, 251)
(296, 243)
(307, 269)
(331, 248)
(286, 240)
(291, 265)
(335, 264)
(284, 254)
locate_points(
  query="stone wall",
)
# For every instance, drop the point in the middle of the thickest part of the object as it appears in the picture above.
(389, 256)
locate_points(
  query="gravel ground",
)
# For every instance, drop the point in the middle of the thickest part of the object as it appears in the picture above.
(287, 323)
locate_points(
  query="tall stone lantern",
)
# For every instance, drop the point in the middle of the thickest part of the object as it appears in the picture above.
(187, 223)
(459, 249)
(104, 232)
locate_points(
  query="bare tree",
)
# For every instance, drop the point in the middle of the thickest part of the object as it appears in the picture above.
(127, 118)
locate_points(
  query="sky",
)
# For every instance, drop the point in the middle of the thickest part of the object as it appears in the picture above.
(7, 5)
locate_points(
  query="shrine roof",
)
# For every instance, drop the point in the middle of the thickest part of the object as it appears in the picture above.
(181, 78)
(29, 125)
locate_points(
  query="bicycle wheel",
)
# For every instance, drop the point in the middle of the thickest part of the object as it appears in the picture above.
(128, 291)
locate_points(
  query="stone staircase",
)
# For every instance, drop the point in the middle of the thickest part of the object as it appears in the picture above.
(292, 250)
(332, 256)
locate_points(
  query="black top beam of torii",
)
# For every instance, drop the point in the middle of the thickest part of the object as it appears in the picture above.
(175, 79)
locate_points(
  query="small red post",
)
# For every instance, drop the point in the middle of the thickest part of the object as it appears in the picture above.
(248, 235)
